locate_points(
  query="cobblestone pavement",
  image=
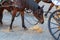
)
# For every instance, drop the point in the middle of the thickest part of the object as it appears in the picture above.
(19, 34)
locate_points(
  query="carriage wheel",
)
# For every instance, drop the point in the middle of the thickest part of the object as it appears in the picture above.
(54, 24)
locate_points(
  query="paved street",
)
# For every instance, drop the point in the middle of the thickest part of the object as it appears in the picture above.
(20, 34)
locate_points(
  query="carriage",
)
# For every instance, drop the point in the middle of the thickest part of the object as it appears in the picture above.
(53, 22)
(54, 27)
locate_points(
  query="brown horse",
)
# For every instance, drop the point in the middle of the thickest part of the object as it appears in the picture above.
(9, 2)
(20, 5)
(30, 4)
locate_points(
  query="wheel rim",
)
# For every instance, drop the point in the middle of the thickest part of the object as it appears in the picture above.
(54, 25)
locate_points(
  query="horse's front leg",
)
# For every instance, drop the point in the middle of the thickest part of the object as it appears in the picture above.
(49, 9)
(22, 17)
(1, 16)
(13, 17)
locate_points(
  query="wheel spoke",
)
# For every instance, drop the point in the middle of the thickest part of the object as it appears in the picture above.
(56, 32)
(54, 23)
(57, 18)
(54, 28)
(57, 14)
(58, 37)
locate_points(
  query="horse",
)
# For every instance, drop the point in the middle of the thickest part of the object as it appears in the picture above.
(9, 2)
(5, 3)
(30, 4)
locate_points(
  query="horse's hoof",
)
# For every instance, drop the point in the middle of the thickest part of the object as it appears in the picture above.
(10, 30)
(25, 28)
(1, 22)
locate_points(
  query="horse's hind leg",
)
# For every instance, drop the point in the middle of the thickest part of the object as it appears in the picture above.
(22, 17)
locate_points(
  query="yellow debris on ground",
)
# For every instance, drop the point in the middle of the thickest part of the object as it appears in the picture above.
(36, 28)
(5, 30)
